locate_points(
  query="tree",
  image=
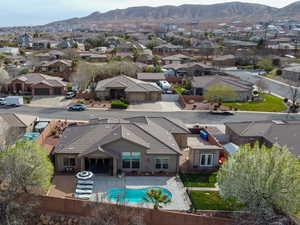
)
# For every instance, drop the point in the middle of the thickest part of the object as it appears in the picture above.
(266, 180)
(48, 45)
(4, 77)
(261, 85)
(24, 168)
(294, 96)
(156, 197)
(220, 92)
(114, 52)
(152, 44)
(136, 54)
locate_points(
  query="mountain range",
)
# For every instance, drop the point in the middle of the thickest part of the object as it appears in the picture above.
(214, 12)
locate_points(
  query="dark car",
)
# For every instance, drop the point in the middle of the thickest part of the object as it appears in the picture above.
(224, 113)
(77, 107)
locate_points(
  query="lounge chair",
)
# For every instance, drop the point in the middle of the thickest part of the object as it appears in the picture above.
(81, 191)
(80, 186)
(85, 182)
(83, 196)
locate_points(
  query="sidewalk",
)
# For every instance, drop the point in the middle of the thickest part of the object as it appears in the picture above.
(202, 189)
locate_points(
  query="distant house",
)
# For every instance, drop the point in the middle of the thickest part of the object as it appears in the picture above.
(68, 43)
(179, 58)
(167, 49)
(201, 84)
(90, 57)
(13, 127)
(56, 66)
(224, 61)
(124, 87)
(291, 73)
(151, 77)
(10, 51)
(40, 43)
(269, 133)
(136, 145)
(25, 40)
(37, 84)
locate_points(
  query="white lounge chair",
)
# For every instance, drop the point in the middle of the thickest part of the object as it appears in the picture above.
(87, 186)
(85, 182)
(83, 196)
(81, 191)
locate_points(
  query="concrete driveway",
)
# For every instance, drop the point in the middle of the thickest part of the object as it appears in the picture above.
(163, 106)
(50, 101)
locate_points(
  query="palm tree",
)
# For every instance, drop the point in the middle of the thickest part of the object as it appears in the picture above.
(156, 197)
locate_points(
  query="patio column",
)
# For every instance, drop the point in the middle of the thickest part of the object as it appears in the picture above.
(115, 167)
(82, 167)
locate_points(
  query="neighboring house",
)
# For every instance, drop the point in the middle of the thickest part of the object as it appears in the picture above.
(124, 87)
(37, 84)
(269, 133)
(151, 77)
(25, 40)
(94, 57)
(39, 43)
(137, 145)
(13, 127)
(167, 49)
(68, 43)
(10, 51)
(56, 66)
(224, 61)
(291, 73)
(242, 88)
(179, 59)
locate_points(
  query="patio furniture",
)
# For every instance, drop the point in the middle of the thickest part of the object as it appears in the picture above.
(85, 182)
(88, 187)
(83, 196)
(82, 191)
(84, 175)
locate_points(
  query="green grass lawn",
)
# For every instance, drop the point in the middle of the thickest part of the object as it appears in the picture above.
(270, 104)
(199, 180)
(211, 200)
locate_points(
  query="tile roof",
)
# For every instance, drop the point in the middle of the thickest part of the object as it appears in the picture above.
(155, 134)
(35, 78)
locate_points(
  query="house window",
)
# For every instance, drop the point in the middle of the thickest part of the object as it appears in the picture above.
(206, 159)
(161, 163)
(131, 160)
(69, 162)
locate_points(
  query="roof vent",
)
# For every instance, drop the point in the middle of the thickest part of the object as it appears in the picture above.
(278, 122)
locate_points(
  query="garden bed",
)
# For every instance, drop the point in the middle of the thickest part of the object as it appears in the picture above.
(198, 180)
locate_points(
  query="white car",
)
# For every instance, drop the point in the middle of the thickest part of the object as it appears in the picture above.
(164, 84)
(2, 101)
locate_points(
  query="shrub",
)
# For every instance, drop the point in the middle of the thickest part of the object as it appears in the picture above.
(80, 102)
(27, 99)
(119, 105)
(53, 132)
(125, 101)
(279, 72)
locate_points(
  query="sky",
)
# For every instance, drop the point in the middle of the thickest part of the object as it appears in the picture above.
(39, 12)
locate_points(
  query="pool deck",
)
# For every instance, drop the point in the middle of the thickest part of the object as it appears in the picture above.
(180, 200)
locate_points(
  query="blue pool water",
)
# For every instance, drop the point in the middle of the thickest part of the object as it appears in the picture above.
(31, 136)
(133, 195)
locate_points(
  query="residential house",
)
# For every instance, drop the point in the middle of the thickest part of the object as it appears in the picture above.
(243, 89)
(176, 59)
(124, 87)
(10, 51)
(13, 127)
(91, 57)
(37, 84)
(25, 40)
(137, 145)
(56, 66)
(291, 73)
(224, 61)
(269, 133)
(167, 49)
(151, 77)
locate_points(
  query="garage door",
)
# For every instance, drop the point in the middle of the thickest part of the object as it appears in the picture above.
(42, 91)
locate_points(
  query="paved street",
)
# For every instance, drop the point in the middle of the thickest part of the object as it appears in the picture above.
(274, 86)
(189, 117)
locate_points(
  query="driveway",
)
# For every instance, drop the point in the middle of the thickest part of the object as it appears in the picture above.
(50, 101)
(163, 106)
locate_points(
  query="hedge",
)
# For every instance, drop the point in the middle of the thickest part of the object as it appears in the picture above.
(119, 105)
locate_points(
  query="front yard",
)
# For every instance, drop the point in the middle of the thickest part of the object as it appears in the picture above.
(269, 104)
(211, 200)
(199, 180)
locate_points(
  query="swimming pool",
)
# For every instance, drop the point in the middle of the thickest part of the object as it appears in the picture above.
(133, 195)
(31, 136)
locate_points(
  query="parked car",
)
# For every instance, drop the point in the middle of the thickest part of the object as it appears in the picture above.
(14, 100)
(165, 85)
(2, 101)
(224, 113)
(70, 95)
(77, 107)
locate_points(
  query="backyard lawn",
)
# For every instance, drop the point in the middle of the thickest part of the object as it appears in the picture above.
(270, 104)
(211, 200)
(199, 180)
